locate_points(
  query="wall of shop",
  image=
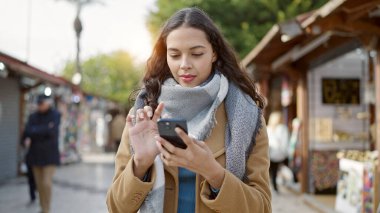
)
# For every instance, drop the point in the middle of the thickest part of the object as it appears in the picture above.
(9, 127)
(338, 116)
(342, 123)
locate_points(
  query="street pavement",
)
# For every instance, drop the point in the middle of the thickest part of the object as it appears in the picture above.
(288, 201)
(77, 188)
(82, 187)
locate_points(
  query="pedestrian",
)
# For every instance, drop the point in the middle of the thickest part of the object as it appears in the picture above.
(194, 74)
(42, 129)
(278, 135)
(295, 149)
(25, 143)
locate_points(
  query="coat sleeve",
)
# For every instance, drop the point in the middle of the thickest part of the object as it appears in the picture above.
(251, 196)
(25, 133)
(127, 192)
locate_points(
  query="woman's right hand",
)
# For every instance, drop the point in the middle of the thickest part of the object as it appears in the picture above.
(141, 136)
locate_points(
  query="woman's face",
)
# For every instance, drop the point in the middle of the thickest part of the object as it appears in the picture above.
(189, 56)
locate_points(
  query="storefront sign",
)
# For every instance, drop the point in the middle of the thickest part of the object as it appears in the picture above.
(340, 91)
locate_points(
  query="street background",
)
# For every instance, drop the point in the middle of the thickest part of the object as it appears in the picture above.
(315, 61)
(82, 187)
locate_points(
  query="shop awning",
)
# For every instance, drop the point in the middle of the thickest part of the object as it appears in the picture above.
(338, 25)
(21, 68)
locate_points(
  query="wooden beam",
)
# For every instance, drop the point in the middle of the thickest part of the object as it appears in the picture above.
(333, 43)
(364, 27)
(377, 114)
(343, 20)
(325, 10)
(368, 41)
(360, 10)
(322, 25)
(303, 115)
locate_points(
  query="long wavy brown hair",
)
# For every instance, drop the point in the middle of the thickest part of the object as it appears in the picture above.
(157, 70)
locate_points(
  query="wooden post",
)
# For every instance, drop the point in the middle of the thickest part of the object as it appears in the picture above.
(20, 123)
(302, 113)
(377, 132)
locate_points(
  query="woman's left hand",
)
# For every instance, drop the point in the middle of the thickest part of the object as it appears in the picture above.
(197, 157)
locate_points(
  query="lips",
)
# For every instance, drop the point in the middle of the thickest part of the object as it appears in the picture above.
(187, 77)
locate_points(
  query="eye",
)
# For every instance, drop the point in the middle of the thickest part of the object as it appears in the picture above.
(174, 56)
(197, 54)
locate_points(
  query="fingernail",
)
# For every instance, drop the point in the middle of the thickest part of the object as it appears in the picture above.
(141, 115)
(150, 114)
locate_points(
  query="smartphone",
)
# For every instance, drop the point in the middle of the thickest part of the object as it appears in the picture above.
(166, 128)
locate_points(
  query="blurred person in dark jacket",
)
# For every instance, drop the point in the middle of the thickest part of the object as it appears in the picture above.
(42, 129)
(25, 143)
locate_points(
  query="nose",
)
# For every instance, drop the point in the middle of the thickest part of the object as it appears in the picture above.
(185, 64)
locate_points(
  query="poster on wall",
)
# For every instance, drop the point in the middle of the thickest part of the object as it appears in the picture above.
(323, 129)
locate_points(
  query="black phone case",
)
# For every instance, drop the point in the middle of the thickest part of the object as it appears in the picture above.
(166, 128)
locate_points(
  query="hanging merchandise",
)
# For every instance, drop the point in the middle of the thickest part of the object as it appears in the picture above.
(324, 169)
(286, 93)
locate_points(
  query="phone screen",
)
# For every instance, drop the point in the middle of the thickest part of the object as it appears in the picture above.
(166, 130)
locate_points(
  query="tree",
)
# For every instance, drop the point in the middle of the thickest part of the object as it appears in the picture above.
(110, 75)
(243, 22)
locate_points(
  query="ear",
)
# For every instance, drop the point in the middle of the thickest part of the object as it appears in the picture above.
(214, 57)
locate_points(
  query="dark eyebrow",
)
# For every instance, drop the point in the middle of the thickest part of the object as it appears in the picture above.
(173, 49)
(198, 46)
(195, 47)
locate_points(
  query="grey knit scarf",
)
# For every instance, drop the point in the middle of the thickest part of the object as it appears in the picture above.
(198, 106)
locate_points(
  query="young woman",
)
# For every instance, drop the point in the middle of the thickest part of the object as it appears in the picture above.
(194, 74)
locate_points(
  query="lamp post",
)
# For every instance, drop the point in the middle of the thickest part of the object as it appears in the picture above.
(77, 77)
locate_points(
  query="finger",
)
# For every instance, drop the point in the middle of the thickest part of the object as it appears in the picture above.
(158, 111)
(170, 159)
(148, 111)
(162, 150)
(140, 115)
(166, 162)
(165, 155)
(167, 145)
(182, 134)
(175, 161)
(129, 121)
(201, 144)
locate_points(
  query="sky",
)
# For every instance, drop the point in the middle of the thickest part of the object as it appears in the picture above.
(41, 32)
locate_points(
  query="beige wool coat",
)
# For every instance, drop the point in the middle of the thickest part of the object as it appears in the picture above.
(127, 192)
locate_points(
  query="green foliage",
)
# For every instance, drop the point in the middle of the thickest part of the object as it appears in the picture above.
(243, 22)
(113, 76)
